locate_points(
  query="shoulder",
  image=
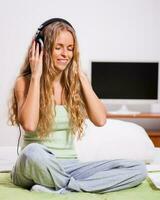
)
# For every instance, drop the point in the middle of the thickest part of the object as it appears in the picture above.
(22, 85)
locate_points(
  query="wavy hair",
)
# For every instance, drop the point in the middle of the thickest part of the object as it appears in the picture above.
(72, 92)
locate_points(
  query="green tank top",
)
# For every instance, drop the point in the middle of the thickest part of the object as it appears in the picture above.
(60, 140)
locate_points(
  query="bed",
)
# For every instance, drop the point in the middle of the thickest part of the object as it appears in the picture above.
(147, 190)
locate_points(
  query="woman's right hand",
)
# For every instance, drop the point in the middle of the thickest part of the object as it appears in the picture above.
(36, 60)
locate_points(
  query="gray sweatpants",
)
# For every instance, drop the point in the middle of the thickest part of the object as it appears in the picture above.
(38, 165)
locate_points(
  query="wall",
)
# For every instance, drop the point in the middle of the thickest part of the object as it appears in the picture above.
(106, 29)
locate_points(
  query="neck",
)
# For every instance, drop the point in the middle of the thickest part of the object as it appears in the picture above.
(58, 77)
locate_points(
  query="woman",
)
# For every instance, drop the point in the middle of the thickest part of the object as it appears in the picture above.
(51, 99)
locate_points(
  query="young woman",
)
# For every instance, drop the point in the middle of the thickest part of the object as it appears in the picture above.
(51, 99)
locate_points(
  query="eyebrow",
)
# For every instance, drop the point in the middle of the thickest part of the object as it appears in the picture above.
(62, 44)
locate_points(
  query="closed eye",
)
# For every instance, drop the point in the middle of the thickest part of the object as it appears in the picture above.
(69, 47)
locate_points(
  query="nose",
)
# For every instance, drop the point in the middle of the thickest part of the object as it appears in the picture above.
(64, 52)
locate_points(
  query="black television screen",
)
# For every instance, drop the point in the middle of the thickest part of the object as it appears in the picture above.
(125, 80)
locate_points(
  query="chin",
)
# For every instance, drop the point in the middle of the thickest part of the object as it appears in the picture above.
(61, 67)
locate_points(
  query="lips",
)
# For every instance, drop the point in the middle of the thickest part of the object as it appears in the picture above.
(62, 61)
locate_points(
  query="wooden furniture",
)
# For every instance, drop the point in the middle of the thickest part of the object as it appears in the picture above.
(153, 134)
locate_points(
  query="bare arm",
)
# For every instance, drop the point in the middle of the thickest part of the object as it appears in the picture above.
(95, 108)
(28, 102)
(27, 93)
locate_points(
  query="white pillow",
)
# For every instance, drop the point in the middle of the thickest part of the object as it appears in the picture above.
(115, 140)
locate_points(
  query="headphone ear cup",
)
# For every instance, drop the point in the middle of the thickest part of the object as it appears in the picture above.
(39, 41)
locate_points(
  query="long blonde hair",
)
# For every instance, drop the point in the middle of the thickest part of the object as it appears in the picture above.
(70, 82)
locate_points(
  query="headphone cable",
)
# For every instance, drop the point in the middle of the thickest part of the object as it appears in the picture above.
(19, 139)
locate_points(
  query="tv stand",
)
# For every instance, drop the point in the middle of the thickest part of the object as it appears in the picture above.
(124, 111)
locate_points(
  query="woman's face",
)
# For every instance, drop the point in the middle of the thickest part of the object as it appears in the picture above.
(63, 50)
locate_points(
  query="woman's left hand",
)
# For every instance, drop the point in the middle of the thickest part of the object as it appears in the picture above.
(95, 109)
(82, 75)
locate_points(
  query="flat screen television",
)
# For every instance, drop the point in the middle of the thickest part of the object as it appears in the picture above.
(126, 82)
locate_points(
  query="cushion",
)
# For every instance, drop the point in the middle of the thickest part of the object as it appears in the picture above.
(115, 140)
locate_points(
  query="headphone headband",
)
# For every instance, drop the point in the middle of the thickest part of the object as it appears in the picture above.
(52, 20)
(39, 38)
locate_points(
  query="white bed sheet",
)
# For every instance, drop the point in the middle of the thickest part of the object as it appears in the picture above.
(155, 164)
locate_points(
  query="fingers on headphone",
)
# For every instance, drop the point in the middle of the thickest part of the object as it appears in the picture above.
(37, 50)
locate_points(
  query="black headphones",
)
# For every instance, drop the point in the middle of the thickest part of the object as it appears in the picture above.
(39, 37)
